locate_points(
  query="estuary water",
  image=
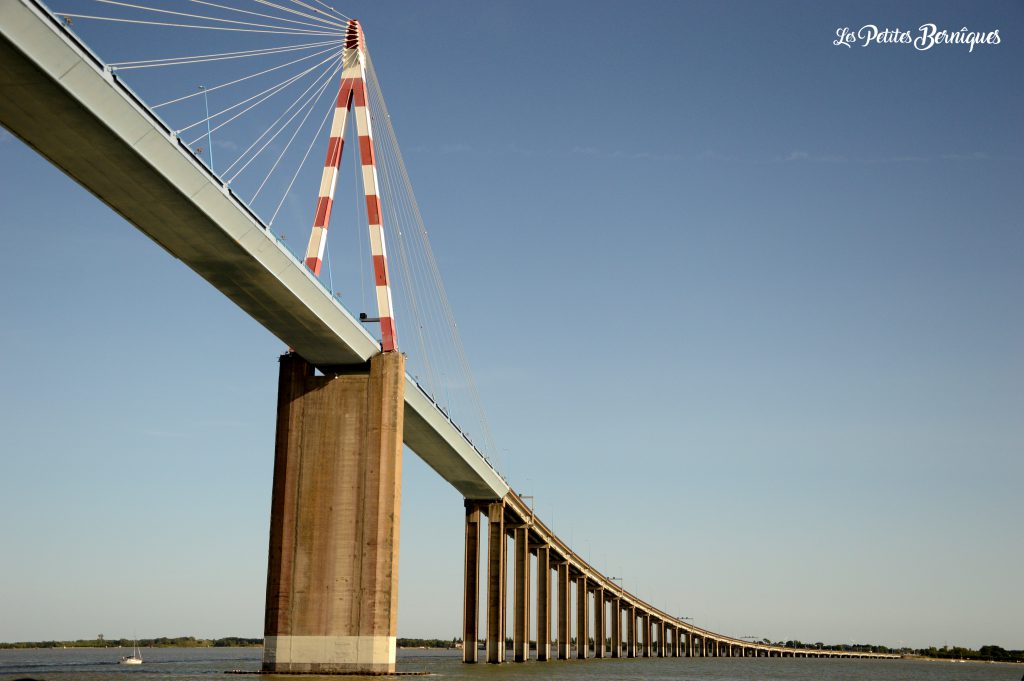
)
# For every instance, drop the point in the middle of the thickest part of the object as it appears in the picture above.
(210, 664)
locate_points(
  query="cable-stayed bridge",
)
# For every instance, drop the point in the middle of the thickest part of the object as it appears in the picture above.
(346, 403)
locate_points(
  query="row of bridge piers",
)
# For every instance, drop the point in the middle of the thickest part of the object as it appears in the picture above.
(610, 622)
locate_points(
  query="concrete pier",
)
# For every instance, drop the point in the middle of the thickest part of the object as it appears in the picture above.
(543, 603)
(471, 585)
(496, 543)
(599, 626)
(616, 611)
(332, 578)
(564, 617)
(631, 632)
(645, 618)
(582, 619)
(521, 614)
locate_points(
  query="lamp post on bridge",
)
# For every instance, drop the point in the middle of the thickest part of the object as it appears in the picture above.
(209, 131)
(524, 497)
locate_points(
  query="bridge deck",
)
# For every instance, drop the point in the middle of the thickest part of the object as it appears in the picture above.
(57, 97)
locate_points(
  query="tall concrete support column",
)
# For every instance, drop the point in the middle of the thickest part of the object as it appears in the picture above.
(543, 603)
(630, 631)
(703, 647)
(332, 577)
(599, 626)
(496, 577)
(582, 619)
(616, 611)
(688, 644)
(673, 633)
(564, 628)
(471, 584)
(521, 615)
(661, 638)
(646, 628)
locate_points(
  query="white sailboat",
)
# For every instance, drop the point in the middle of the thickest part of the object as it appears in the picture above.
(134, 658)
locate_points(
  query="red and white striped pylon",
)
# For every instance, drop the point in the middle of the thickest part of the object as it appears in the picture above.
(352, 94)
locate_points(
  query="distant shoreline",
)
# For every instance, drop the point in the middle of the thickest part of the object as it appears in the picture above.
(19, 646)
(958, 660)
(192, 642)
(159, 642)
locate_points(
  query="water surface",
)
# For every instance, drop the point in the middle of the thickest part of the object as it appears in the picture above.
(209, 664)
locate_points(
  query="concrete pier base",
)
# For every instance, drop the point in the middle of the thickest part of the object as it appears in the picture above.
(332, 580)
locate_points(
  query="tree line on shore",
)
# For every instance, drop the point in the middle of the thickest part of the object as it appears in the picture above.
(989, 653)
(163, 642)
(102, 641)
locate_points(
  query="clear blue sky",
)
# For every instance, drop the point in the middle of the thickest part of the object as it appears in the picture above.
(745, 309)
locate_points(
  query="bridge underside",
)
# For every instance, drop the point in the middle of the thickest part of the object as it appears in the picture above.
(57, 97)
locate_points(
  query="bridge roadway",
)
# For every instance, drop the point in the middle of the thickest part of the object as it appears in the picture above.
(58, 97)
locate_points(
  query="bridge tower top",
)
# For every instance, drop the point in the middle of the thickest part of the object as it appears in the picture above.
(352, 95)
(354, 39)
